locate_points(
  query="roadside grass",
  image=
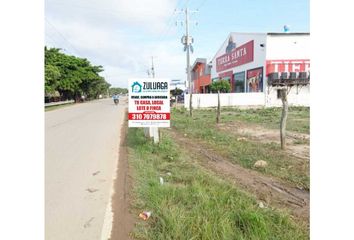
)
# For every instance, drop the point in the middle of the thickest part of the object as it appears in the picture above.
(202, 128)
(301, 142)
(298, 117)
(51, 108)
(194, 203)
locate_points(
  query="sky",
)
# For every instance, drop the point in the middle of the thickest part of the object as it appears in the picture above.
(124, 35)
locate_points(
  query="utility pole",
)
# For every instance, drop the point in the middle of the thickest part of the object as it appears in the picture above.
(187, 42)
(188, 63)
(152, 67)
(153, 131)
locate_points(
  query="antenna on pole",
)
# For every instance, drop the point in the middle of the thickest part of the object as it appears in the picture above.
(152, 67)
(187, 41)
(153, 131)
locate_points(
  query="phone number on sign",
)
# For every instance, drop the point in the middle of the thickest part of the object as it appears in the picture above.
(149, 116)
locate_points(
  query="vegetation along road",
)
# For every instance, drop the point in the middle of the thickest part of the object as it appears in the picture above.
(202, 182)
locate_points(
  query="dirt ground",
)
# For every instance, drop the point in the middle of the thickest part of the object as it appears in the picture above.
(270, 191)
(123, 220)
(297, 143)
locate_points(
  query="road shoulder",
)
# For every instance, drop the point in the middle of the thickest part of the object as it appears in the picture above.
(123, 220)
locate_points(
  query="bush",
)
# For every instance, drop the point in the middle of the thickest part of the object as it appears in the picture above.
(221, 85)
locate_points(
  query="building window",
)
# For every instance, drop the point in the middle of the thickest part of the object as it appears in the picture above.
(239, 79)
(278, 93)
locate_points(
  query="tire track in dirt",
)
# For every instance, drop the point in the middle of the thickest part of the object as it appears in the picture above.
(272, 191)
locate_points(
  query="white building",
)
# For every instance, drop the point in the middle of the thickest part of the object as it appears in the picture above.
(249, 60)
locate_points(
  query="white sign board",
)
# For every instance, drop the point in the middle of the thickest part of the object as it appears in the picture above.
(149, 102)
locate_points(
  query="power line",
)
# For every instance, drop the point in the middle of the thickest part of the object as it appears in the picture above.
(58, 45)
(63, 37)
(201, 5)
(169, 22)
(53, 40)
(125, 74)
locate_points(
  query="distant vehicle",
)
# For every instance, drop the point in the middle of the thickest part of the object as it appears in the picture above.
(116, 99)
(181, 98)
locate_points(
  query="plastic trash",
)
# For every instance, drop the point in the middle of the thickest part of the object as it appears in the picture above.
(145, 215)
(241, 139)
(161, 180)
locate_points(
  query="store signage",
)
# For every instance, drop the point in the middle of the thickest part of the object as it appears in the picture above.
(300, 65)
(149, 102)
(225, 74)
(238, 56)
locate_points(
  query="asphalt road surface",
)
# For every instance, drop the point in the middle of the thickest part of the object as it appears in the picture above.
(81, 156)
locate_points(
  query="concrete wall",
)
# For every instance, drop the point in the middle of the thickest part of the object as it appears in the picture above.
(226, 99)
(297, 97)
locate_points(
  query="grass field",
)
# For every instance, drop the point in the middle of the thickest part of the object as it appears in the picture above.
(194, 203)
(51, 108)
(298, 117)
(202, 127)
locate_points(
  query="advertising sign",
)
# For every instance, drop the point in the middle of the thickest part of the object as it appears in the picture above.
(300, 65)
(255, 80)
(149, 102)
(238, 56)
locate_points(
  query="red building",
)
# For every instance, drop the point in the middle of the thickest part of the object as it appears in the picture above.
(200, 73)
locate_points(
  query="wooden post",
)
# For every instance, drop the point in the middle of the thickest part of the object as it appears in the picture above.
(218, 110)
(284, 116)
(155, 134)
(190, 104)
(146, 132)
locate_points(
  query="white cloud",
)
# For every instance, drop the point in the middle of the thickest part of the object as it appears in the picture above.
(150, 15)
(118, 35)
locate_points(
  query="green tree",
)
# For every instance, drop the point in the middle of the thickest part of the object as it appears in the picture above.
(117, 90)
(52, 75)
(72, 77)
(222, 85)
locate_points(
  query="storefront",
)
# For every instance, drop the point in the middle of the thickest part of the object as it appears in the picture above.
(200, 72)
(249, 60)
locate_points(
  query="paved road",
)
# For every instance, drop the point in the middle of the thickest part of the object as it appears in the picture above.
(81, 154)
